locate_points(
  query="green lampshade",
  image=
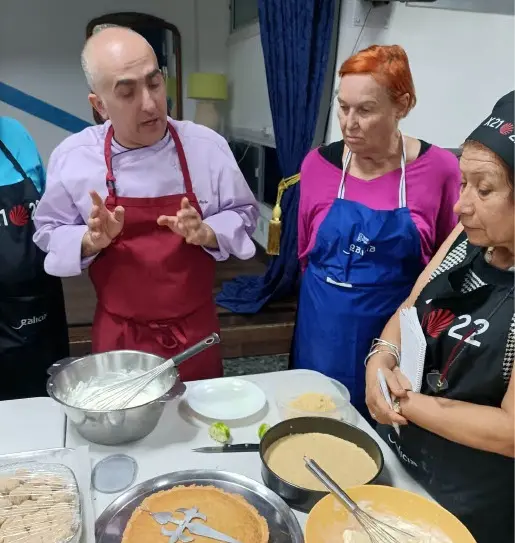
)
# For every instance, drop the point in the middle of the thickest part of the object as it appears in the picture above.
(204, 86)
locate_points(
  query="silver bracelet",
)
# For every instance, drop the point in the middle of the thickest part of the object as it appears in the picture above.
(384, 343)
(376, 351)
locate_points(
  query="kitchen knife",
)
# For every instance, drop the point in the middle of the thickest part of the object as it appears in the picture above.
(239, 447)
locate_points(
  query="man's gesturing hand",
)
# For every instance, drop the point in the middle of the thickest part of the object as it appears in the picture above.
(188, 224)
(103, 226)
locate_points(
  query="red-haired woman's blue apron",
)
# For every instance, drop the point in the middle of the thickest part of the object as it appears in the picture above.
(362, 267)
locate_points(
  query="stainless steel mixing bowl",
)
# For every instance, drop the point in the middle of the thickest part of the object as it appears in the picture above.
(119, 426)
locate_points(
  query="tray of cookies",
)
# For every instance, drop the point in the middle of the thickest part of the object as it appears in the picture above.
(39, 502)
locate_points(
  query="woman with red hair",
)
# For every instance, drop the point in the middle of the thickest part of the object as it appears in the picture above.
(374, 209)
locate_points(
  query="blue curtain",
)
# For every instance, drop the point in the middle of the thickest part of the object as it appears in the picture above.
(296, 39)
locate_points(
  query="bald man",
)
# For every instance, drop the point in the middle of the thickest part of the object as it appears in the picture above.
(148, 205)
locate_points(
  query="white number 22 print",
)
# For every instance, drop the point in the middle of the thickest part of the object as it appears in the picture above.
(481, 325)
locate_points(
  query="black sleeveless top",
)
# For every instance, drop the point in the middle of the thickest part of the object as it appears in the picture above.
(467, 315)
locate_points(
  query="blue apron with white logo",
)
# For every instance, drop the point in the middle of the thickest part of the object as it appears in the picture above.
(362, 267)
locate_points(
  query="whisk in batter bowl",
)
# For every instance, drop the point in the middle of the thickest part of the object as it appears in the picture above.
(106, 422)
(377, 531)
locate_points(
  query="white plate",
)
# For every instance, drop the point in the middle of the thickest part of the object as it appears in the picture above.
(226, 399)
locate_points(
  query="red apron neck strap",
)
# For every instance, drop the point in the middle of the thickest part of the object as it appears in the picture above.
(108, 156)
(182, 158)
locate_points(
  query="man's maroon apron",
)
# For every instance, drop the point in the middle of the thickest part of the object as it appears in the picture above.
(154, 290)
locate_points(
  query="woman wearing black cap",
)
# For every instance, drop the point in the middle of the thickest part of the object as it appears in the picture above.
(457, 434)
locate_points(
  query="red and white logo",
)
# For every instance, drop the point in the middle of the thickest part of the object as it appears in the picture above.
(506, 129)
(436, 321)
(19, 216)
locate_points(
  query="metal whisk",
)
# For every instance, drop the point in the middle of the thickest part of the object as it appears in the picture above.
(377, 531)
(121, 394)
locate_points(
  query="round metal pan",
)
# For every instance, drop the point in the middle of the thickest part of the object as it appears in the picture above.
(303, 499)
(282, 523)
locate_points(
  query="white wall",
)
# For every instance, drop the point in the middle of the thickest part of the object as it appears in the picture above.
(213, 21)
(40, 44)
(462, 62)
(249, 107)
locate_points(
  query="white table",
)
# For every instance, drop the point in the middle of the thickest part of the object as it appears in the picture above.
(31, 424)
(169, 447)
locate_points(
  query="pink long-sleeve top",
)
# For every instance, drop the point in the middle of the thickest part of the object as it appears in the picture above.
(432, 188)
(77, 166)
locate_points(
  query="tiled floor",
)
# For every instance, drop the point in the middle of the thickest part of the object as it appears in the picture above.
(250, 365)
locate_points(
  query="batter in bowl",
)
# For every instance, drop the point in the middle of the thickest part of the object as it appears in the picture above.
(348, 464)
(417, 533)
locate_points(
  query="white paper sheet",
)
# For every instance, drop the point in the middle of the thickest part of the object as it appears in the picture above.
(413, 348)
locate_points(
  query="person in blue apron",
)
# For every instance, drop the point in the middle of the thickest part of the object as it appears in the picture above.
(455, 435)
(33, 329)
(382, 223)
(363, 265)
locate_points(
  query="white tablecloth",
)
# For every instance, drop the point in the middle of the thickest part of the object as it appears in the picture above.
(31, 424)
(169, 447)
